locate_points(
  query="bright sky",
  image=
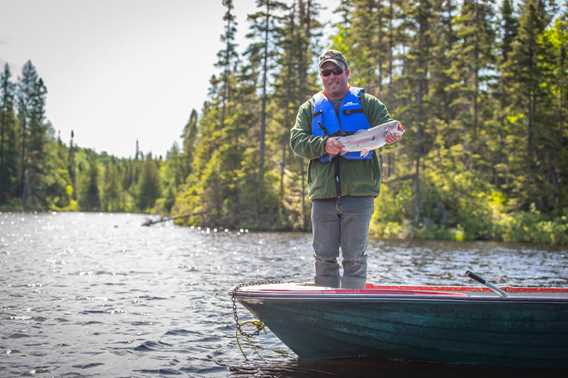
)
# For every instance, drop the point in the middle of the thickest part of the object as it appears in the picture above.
(120, 70)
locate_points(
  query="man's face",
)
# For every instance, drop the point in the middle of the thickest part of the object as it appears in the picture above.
(336, 83)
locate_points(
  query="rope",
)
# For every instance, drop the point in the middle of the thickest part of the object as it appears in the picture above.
(256, 323)
(259, 327)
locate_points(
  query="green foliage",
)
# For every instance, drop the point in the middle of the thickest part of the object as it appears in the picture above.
(148, 187)
(58, 191)
(534, 227)
(463, 207)
(484, 97)
(31, 100)
(8, 139)
(111, 198)
(181, 167)
(89, 197)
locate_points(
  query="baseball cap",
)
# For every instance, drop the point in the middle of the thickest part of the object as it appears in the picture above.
(333, 56)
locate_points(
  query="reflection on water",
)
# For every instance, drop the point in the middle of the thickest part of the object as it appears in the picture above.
(97, 294)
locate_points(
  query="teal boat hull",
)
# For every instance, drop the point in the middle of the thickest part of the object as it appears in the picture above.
(449, 326)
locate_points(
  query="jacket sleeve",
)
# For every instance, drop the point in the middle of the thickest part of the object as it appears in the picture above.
(376, 111)
(302, 142)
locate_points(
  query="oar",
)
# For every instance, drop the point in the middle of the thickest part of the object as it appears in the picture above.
(482, 281)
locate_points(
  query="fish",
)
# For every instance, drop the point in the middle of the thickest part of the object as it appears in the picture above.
(371, 139)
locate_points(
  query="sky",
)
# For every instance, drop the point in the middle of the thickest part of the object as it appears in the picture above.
(118, 71)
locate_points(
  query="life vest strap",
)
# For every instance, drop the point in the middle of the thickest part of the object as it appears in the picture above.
(352, 111)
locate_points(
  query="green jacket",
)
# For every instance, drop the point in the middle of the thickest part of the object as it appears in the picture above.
(357, 177)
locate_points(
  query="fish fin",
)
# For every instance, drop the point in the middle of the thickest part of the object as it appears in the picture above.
(364, 153)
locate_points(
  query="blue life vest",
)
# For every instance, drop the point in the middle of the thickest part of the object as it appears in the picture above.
(351, 119)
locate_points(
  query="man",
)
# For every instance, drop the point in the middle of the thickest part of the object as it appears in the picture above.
(342, 185)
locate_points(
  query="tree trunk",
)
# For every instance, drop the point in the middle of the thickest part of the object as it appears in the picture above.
(262, 133)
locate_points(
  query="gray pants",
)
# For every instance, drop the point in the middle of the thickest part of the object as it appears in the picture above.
(342, 222)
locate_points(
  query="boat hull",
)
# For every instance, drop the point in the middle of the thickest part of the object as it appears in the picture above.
(452, 329)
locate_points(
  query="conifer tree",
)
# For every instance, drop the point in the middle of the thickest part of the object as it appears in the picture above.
(227, 57)
(172, 177)
(189, 137)
(525, 73)
(508, 25)
(201, 193)
(414, 93)
(553, 117)
(256, 201)
(362, 47)
(111, 189)
(71, 165)
(473, 59)
(57, 192)
(89, 195)
(309, 32)
(441, 78)
(343, 26)
(264, 31)
(31, 113)
(286, 96)
(8, 152)
(148, 184)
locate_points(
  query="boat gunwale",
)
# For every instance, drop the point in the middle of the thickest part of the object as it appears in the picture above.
(404, 293)
(398, 298)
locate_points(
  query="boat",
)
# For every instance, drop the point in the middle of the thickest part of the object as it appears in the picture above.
(455, 325)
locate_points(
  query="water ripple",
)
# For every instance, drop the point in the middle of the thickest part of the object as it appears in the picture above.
(98, 295)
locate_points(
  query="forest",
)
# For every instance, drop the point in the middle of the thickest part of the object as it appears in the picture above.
(482, 89)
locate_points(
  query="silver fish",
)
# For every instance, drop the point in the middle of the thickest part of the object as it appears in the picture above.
(371, 139)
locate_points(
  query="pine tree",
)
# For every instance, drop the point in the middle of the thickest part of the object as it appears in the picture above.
(501, 95)
(89, 195)
(189, 137)
(286, 98)
(227, 57)
(31, 113)
(309, 32)
(552, 136)
(341, 40)
(363, 46)
(525, 74)
(441, 97)
(200, 198)
(8, 152)
(111, 188)
(72, 165)
(148, 184)
(57, 191)
(172, 176)
(137, 152)
(414, 94)
(473, 59)
(264, 32)
(252, 194)
(509, 26)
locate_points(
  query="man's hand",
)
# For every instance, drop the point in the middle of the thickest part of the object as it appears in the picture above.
(333, 147)
(394, 137)
(390, 139)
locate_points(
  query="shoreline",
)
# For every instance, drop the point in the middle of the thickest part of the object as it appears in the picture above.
(372, 236)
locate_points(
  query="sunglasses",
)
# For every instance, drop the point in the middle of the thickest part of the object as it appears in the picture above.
(336, 71)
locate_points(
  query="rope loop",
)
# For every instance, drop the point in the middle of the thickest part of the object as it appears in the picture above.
(255, 322)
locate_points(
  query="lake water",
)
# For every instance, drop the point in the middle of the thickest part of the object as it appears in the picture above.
(99, 295)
